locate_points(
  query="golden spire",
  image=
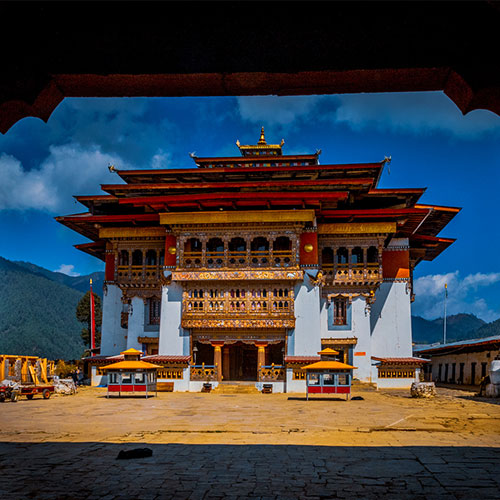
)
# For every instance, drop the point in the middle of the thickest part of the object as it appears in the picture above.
(262, 139)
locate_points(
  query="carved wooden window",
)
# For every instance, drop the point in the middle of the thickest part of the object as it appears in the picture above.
(299, 374)
(137, 258)
(340, 311)
(342, 255)
(154, 311)
(372, 255)
(327, 256)
(151, 258)
(123, 258)
(357, 255)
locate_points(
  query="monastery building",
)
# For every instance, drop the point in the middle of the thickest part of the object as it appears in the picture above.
(243, 268)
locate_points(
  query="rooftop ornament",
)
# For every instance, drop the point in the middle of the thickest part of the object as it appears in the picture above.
(262, 148)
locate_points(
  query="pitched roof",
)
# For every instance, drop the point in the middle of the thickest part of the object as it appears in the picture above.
(328, 365)
(400, 361)
(131, 365)
(456, 346)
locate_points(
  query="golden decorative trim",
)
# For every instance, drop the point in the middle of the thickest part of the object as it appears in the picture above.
(245, 336)
(148, 340)
(238, 323)
(237, 275)
(237, 217)
(340, 341)
(357, 228)
(130, 232)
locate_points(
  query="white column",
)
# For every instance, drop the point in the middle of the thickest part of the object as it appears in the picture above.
(136, 324)
(113, 339)
(305, 339)
(173, 340)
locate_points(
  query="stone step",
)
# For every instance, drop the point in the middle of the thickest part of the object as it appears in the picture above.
(236, 388)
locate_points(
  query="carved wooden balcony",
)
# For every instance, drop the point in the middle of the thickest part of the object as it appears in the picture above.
(138, 274)
(226, 309)
(347, 274)
(267, 259)
(228, 306)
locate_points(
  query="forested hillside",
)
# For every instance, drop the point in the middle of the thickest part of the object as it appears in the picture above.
(458, 327)
(37, 311)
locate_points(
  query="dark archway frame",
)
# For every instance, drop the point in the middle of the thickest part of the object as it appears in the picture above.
(94, 49)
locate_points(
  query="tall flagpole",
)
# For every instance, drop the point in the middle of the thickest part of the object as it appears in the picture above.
(92, 321)
(444, 323)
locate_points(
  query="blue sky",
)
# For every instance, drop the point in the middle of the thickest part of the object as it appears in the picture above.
(42, 165)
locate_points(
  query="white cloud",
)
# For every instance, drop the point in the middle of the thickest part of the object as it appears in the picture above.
(67, 269)
(413, 112)
(68, 170)
(282, 110)
(161, 159)
(419, 112)
(430, 292)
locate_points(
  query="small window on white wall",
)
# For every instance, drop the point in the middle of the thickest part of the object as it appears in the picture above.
(340, 311)
(154, 311)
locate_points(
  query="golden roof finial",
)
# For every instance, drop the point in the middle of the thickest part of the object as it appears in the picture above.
(262, 139)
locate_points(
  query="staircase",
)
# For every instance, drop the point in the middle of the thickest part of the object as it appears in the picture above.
(236, 387)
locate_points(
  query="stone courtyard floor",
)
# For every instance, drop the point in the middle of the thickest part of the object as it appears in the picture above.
(268, 446)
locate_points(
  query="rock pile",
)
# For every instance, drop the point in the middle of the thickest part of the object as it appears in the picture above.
(423, 390)
(64, 386)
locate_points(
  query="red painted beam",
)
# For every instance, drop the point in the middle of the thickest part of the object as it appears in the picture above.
(110, 218)
(229, 185)
(267, 195)
(376, 212)
(298, 168)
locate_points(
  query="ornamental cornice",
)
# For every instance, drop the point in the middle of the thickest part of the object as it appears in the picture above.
(208, 323)
(294, 275)
(158, 239)
(241, 230)
(350, 241)
(398, 248)
(129, 292)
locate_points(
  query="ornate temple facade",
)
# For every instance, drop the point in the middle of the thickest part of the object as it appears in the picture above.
(243, 268)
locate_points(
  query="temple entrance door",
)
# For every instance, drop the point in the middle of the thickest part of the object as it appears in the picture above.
(243, 362)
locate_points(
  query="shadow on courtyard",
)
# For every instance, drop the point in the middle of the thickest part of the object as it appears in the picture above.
(180, 471)
(481, 399)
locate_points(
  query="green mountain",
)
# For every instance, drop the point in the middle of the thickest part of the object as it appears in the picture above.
(488, 330)
(458, 327)
(37, 311)
(80, 283)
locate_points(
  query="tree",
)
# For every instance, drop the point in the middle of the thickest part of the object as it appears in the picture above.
(83, 316)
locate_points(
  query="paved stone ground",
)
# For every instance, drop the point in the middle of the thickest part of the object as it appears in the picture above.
(208, 446)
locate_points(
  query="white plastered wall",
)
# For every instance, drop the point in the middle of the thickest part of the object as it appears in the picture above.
(173, 339)
(135, 324)
(113, 339)
(305, 338)
(391, 321)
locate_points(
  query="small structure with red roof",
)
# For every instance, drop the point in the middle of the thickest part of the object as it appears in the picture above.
(328, 375)
(132, 375)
